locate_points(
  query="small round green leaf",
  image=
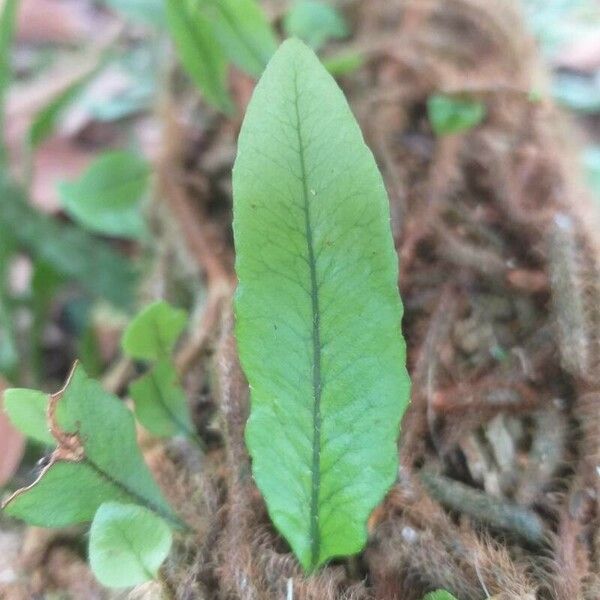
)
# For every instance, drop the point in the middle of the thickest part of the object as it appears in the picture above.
(153, 332)
(449, 114)
(128, 544)
(106, 198)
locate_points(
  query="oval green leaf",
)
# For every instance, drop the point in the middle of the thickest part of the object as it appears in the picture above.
(317, 309)
(128, 544)
(153, 332)
(106, 198)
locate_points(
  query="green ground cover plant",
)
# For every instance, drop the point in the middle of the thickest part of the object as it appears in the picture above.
(326, 399)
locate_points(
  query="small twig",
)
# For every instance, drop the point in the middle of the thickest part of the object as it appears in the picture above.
(426, 370)
(487, 397)
(196, 231)
(507, 516)
(462, 253)
(117, 375)
(218, 295)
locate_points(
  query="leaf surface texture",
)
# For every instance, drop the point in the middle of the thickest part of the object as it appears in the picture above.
(317, 309)
(128, 544)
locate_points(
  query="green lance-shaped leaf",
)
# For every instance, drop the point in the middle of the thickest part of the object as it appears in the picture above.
(97, 460)
(199, 51)
(26, 410)
(317, 309)
(154, 330)
(439, 595)
(243, 31)
(107, 197)
(128, 544)
(45, 119)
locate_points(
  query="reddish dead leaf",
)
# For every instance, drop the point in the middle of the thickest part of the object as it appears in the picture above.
(12, 444)
(48, 21)
(58, 159)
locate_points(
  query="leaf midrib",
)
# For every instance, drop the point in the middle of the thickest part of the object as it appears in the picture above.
(138, 498)
(134, 552)
(183, 427)
(315, 535)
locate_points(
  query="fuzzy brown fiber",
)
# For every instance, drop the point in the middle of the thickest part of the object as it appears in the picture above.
(499, 262)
